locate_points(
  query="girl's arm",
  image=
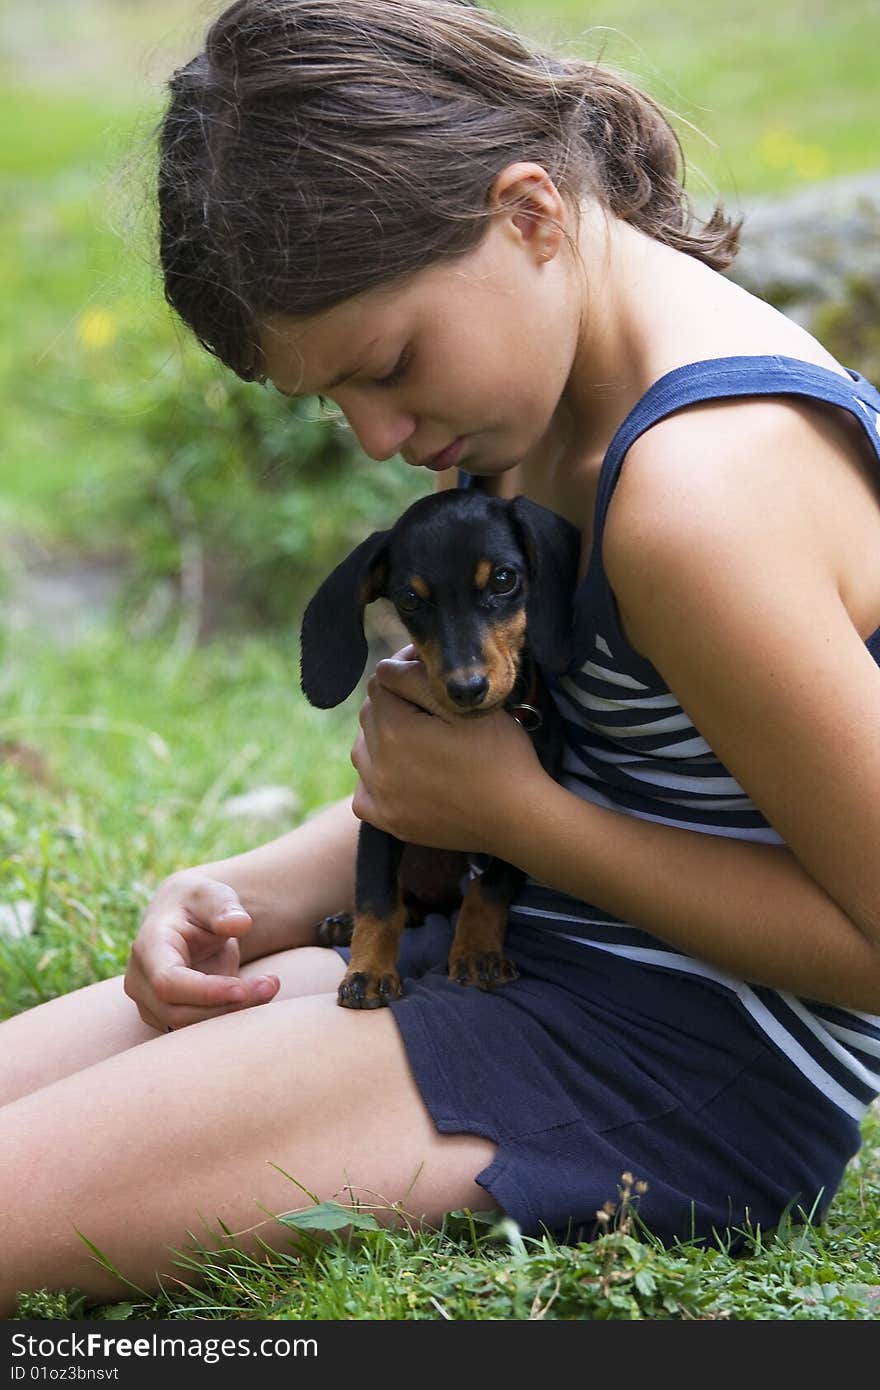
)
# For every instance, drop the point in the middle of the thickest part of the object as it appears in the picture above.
(736, 599)
(750, 910)
(729, 579)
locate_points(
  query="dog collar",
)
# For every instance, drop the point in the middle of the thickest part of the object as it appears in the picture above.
(526, 711)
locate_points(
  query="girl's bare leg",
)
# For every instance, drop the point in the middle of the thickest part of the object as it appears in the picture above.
(88, 1025)
(185, 1130)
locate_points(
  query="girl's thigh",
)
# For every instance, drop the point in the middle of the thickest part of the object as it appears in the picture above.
(220, 1122)
(76, 1030)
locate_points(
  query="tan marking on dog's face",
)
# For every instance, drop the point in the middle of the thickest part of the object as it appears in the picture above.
(431, 658)
(419, 586)
(483, 574)
(502, 649)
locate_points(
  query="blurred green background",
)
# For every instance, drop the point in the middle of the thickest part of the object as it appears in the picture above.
(119, 437)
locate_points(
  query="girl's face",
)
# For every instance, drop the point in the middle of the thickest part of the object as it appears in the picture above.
(473, 353)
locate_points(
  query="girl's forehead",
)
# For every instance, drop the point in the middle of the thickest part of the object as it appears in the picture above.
(305, 358)
(317, 348)
(320, 347)
(310, 359)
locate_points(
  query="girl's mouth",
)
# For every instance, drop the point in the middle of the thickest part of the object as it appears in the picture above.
(448, 457)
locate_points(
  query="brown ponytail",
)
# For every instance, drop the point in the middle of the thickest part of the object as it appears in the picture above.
(636, 165)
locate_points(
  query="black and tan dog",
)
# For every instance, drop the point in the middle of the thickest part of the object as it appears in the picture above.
(484, 588)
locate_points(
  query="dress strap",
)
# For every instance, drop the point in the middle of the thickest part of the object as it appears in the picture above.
(713, 379)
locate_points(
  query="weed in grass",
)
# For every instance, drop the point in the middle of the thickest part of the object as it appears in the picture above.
(343, 1263)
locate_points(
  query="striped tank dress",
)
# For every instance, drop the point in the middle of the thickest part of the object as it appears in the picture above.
(630, 747)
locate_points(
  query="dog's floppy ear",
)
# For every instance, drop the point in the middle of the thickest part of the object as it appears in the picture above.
(333, 648)
(552, 547)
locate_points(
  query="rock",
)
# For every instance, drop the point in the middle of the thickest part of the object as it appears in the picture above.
(65, 597)
(17, 920)
(804, 250)
(263, 804)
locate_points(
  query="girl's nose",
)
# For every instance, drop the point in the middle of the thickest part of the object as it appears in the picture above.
(382, 430)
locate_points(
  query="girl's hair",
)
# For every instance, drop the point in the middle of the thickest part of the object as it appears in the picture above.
(320, 148)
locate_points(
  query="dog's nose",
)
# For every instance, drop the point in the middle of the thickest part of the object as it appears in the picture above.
(468, 690)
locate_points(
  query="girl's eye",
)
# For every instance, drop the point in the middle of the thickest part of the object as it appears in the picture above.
(398, 371)
(407, 600)
(503, 581)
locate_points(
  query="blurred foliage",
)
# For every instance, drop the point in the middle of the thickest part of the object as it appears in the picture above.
(225, 502)
(232, 497)
(850, 329)
(122, 437)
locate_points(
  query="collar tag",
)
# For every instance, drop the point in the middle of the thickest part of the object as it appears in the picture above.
(528, 716)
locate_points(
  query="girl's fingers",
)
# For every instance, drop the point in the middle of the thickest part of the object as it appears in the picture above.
(224, 961)
(179, 984)
(165, 966)
(359, 754)
(164, 1015)
(364, 807)
(261, 990)
(408, 681)
(215, 906)
(232, 921)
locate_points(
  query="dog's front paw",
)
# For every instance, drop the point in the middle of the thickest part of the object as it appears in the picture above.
(361, 989)
(335, 931)
(485, 969)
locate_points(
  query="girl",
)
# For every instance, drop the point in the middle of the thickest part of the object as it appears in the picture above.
(485, 257)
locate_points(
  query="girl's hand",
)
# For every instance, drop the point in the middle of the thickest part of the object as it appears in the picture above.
(429, 778)
(184, 962)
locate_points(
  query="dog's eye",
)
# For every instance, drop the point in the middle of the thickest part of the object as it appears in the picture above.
(503, 581)
(407, 600)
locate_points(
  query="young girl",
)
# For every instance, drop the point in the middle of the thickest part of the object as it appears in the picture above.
(485, 257)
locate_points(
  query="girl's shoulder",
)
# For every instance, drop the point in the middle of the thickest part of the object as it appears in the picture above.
(742, 547)
(742, 474)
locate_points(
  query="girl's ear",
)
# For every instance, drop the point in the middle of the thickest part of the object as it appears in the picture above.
(552, 546)
(333, 648)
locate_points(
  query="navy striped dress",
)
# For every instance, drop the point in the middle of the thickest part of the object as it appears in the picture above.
(631, 747)
(613, 1055)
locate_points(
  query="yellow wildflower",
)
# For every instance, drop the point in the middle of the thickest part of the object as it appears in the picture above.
(97, 328)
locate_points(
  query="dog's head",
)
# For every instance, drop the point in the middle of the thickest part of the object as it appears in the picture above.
(476, 581)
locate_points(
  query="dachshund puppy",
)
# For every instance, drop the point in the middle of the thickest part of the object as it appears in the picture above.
(484, 588)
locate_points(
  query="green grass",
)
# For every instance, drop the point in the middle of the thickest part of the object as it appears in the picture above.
(133, 751)
(136, 750)
(478, 1271)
